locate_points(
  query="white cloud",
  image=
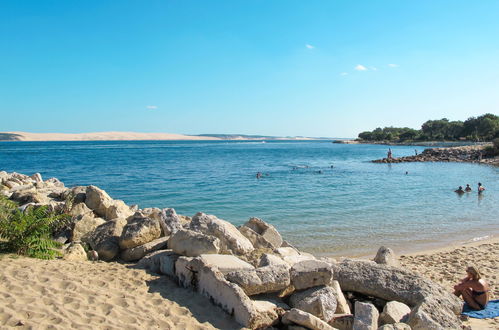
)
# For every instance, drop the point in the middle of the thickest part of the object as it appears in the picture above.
(360, 67)
(393, 65)
(309, 46)
(152, 107)
(344, 74)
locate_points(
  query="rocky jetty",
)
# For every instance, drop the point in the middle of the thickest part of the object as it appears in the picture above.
(249, 271)
(471, 154)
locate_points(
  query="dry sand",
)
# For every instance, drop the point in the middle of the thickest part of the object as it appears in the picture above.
(103, 136)
(59, 294)
(97, 295)
(447, 266)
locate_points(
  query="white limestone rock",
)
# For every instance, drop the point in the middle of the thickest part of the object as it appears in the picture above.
(366, 316)
(139, 231)
(310, 273)
(226, 263)
(75, 252)
(342, 307)
(231, 240)
(386, 256)
(84, 226)
(305, 319)
(261, 280)
(394, 312)
(192, 244)
(319, 301)
(140, 251)
(105, 238)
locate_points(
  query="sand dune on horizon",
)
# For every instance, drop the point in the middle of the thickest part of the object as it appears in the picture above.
(99, 136)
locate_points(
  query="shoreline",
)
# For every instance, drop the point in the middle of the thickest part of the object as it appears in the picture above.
(137, 136)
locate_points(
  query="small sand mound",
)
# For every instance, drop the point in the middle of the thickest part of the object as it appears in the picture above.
(85, 295)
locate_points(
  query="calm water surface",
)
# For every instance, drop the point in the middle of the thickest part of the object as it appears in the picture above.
(350, 209)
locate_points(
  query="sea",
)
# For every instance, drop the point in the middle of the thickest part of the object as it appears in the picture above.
(324, 198)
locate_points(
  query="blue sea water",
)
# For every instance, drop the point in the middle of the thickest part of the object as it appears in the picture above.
(349, 209)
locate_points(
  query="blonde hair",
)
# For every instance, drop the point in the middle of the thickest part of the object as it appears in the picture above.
(474, 272)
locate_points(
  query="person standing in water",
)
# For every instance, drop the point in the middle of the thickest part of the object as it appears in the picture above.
(480, 188)
(468, 188)
(389, 154)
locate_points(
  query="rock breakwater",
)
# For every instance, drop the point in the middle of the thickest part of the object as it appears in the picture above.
(249, 271)
(471, 154)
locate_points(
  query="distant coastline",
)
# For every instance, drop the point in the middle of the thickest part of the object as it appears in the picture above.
(135, 136)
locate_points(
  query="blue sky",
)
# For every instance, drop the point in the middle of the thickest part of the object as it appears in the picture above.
(310, 68)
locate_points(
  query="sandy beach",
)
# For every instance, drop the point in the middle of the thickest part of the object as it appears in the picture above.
(447, 266)
(101, 136)
(59, 294)
(99, 295)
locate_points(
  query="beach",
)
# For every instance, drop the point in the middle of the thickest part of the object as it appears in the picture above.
(100, 295)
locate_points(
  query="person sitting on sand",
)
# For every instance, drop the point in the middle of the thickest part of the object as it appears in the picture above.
(480, 188)
(459, 190)
(473, 289)
(468, 188)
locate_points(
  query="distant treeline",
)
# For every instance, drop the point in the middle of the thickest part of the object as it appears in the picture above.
(482, 128)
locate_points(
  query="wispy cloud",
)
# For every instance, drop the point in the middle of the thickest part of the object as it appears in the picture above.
(393, 65)
(344, 74)
(152, 107)
(360, 67)
(309, 46)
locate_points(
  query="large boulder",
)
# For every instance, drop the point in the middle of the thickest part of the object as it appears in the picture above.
(160, 262)
(386, 256)
(118, 209)
(305, 319)
(261, 280)
(75, 252)
(395, 326)
(342, 305)
(428, 300)
(342, 321)
(85, 225)
(394, 312)
(266, 234)
(226, 263)
(230, 297)
(97, 200)
(170, 222)
(140, 251)
(105, 238)
(319, 301)
(268, 259)
(80, 209)
(231, 240)
(139, 231)
(192, 244)
(310, 273)
(366, 316)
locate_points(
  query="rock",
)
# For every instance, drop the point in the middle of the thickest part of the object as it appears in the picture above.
(319, 301)
(310, 273)
(391, 283)
(366, 316)
(170, 222)
(386, 256)
(256, 239)
(193, 244)
(342, 304)
(267, 232)
(225, 263)
(231, 240)
(160, 262)
(37, 177)
(342, 321)
(97, 200)
(432, 314)
(105, 238)
(85, 226)
(305, 319)
(30, 195)
(77, 194)
(80, 209)
(140, 251)
(268, 259)
(395, 326)
(261, 280)
(394, 312)
(139, 231)
(229, 296)
(75, 252)
(118, 209)
(54, 182)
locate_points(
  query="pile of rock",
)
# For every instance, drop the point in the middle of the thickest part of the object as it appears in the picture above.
(452, 154)
(250, 271)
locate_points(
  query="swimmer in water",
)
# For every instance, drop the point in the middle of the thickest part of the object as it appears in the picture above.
(468, 188)
(258, 175)
(459, 190)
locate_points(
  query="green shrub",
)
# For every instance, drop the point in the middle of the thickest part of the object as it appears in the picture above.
(30, 232)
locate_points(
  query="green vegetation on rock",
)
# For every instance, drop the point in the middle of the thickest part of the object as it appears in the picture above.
(482, 128)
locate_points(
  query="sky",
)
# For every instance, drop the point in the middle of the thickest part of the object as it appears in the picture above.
(270, 67)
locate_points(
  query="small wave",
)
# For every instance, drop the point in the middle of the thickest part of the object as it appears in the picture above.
(479, 238)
